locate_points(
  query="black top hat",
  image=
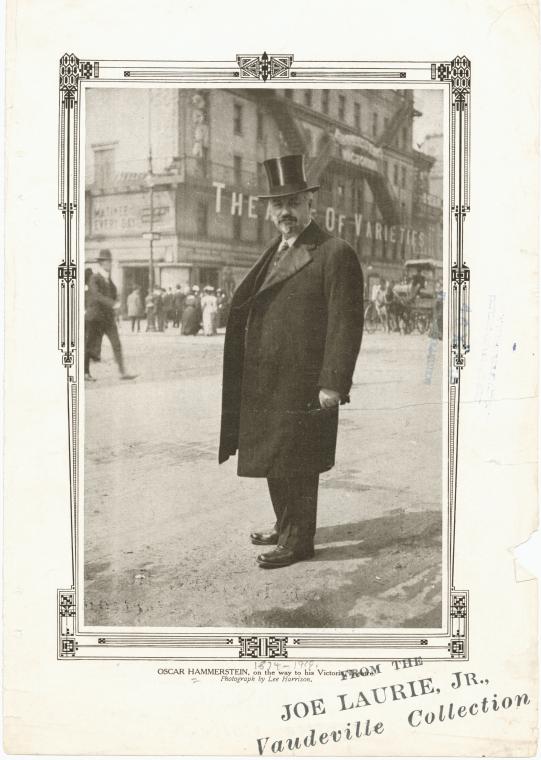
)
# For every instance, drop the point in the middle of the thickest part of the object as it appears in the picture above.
(105, 255)
(286, 176)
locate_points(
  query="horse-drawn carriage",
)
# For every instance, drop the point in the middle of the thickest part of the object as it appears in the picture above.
(410, 305)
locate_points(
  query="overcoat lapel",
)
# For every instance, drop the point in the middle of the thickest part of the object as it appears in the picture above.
(246, 288)
(295, 259)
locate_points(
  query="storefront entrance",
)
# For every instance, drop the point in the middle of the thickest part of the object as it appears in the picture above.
(208, 276)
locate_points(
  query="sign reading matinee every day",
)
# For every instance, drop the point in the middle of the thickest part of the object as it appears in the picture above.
(129, 213)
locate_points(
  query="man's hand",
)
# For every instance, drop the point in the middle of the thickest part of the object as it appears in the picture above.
(328, 398)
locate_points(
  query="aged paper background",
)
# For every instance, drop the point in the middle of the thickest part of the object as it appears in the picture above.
(126, 707)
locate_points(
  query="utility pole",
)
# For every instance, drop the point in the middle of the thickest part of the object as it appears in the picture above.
(151, 197)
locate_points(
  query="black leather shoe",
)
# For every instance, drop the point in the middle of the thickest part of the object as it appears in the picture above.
(264, 539)
(283, 556)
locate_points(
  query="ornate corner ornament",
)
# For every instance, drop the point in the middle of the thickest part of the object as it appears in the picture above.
(458, 643)
(67, 643)
(264, 67)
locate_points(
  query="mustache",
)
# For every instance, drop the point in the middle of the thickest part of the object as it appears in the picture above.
(287, 219)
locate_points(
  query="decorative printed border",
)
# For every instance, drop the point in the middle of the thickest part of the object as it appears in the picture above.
(254, 69)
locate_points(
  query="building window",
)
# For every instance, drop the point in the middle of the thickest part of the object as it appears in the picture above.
(385, 123)
(374, 124)
(341, 192)
(237, 119)
(104, 157)
(202, 216)
(237, 170)
(403, 177)
(341, 108)
(288, 94)
(308, 98)
(259, 126)
(325, 101)
(237, 227)
(385, 168)
(357, 115)
(395, 175)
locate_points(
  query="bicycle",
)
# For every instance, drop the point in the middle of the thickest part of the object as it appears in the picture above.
(372, 320)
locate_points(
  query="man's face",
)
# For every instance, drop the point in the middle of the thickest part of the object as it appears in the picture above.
(106, 264)
(291, 214)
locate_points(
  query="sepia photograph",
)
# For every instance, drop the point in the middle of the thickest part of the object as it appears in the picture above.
(264, 314)
(270, 384)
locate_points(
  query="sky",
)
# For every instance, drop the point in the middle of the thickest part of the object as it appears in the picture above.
(430, 103)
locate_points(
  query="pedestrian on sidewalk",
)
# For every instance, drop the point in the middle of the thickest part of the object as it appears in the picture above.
(167, 296)
(150, 309)
(209, 309)
(291, 343)
(190, 317)
(101, 311)
(135, 309)
(179, 298)
(223, 307)
(158, 306)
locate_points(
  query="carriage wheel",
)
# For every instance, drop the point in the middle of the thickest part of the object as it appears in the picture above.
(371, 318)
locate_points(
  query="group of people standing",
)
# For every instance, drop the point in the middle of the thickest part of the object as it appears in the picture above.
(185, 308)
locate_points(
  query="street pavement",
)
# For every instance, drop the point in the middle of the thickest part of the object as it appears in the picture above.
(166, 530)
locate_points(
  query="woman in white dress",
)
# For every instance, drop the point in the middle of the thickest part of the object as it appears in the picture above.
(209, 307)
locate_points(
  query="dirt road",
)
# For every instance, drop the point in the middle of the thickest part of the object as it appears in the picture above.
(166, 529)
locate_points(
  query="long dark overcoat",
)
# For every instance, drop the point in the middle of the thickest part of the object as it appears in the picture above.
(100, 299)
(286, 338)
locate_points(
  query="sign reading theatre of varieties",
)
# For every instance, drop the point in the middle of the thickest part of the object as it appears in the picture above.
(333, 220)
(129, 213)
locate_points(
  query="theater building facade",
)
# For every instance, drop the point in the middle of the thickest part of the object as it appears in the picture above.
(184, 167)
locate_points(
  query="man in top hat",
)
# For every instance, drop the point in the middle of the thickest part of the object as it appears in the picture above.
(291, 344)
(100, 316)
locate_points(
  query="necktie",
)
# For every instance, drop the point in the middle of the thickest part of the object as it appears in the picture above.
(278, 256)
(282, 248)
